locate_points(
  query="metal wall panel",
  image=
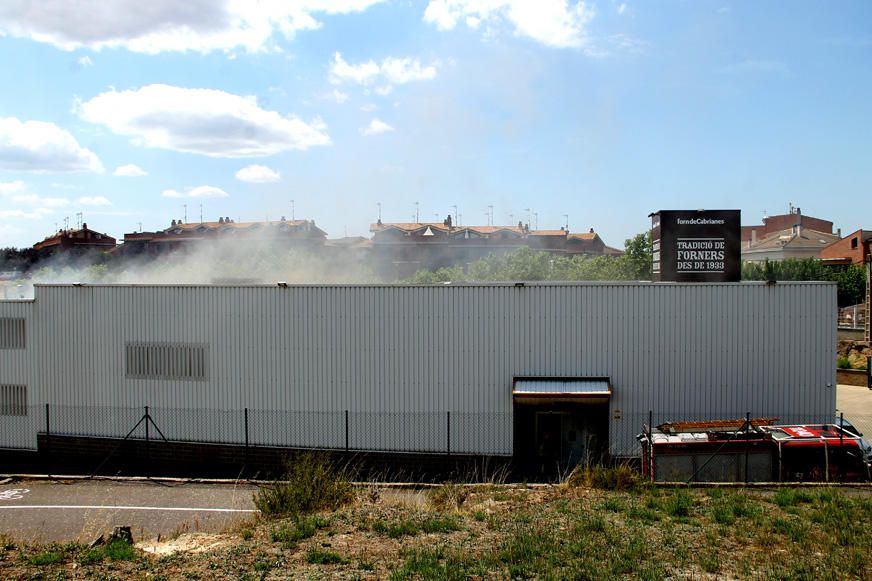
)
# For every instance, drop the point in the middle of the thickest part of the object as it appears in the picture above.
(16, 367)
(400, 358)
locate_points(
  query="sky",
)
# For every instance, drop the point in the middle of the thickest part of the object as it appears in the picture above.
(591, 113)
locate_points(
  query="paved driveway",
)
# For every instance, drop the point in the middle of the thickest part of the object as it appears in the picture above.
(82, 510)
(856, 403)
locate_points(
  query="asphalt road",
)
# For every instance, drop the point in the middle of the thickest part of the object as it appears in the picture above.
(82, 510)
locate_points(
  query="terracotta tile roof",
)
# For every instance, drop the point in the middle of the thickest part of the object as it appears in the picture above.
(788, 238)
(547, 233)
(584, 235)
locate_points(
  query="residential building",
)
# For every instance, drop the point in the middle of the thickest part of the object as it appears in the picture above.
(74, 243)
(786, 236)
(179, 235)
(399, 249)
(852, 249)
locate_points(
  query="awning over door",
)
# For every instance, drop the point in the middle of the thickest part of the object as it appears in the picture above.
(570, 390)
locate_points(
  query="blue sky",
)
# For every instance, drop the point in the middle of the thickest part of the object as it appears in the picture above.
(604, 111)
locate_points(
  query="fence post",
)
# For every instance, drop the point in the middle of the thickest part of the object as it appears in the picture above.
(448, 434)
(869, 372)
(246, 436)
(747, 442)
(651, 444)
(147, 444)
(842, 445)
(48, 434)
(346, 430)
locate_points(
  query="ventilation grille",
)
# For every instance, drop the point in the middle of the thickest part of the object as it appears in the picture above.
(166, 361)
(13, 400)
(11, 333)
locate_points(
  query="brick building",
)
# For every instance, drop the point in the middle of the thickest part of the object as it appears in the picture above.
(74, 243)
(790, 235)
(853, 248)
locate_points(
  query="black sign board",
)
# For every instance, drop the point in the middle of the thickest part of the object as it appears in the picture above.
(697, 245)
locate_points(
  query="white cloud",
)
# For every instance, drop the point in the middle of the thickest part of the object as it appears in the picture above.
(85, 61)
(198, 192)
(203, 121)
(258, 174)
(95, 201)
(368, 107)
(129, 171)
(167, 25)
(11, 187)
(391, 71)
(376, 127)
(338, 96)
(622, 8)
(555, 23)
(38, 146)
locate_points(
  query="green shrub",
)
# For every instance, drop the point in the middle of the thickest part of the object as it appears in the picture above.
(312, 482)
(324, 557)
(843, 363)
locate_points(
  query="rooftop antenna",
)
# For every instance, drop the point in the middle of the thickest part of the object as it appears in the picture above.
(456, 218)
(379, 210)
(535, 220)
(490, 209)
(185, 206)
(566, 221)
(67, 223)
(140, 226)
(460, 219)
(511, 219)
(292, 211)
(528, 210)
(79, 220)
(201, 213)
(417, 214)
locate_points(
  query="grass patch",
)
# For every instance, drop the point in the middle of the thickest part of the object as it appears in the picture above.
(785, 497)
(679, 504)
(621, 477)
(324, 557)
(294, 531)
(413, 526)
(448, 496)
(437, 564)
(312, 482)
(47, 557)
(116, 550)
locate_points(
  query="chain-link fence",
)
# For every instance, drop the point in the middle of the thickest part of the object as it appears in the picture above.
(478, 433)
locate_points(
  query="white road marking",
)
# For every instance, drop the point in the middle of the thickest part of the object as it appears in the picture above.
(109, 507)
(13, 493)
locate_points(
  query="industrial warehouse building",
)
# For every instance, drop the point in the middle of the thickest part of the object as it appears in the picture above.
(561, 369)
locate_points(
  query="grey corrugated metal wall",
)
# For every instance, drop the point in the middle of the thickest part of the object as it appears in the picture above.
(16, 369)
(399, 357)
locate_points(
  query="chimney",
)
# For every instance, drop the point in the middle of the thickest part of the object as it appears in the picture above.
(753, 237)
(173, 223)
(839, 232)
(84, 225)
